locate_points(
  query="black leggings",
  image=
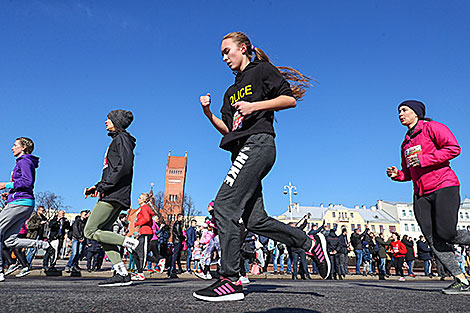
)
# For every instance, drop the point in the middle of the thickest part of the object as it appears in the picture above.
(398, 263)
(437, 215)
(153, 247)
(20, 256)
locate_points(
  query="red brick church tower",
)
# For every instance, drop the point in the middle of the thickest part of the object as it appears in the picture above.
(174, 186)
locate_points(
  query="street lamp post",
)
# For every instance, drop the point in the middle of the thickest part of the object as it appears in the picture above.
(288, 189)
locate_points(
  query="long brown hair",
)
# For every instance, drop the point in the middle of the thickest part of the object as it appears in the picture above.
(298, 81)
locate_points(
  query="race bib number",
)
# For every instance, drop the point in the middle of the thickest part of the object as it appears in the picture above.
(412, 151)
(237, 121)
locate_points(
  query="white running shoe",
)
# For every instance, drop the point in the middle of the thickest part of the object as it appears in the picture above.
(138, 276)
(161, 265)
(201, 275)
(244, 280)
(12, 268)
(25, 271)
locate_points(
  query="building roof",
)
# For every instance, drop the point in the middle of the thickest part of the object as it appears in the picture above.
(466, 202)
(318, 213)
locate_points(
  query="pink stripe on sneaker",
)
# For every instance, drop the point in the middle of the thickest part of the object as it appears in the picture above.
(222, 290)
(218, 292)
(229, 288)
(321, 258)
(225, 289)
(318, 248)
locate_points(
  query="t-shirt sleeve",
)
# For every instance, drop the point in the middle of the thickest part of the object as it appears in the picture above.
(225, 112)
(274, 83)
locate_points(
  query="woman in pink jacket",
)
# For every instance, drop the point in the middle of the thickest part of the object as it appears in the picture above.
(425, 152)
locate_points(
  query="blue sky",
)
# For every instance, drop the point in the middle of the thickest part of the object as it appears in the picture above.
(66, 64)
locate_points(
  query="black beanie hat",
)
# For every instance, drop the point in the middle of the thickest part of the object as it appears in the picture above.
(121, 118)
(417, 106)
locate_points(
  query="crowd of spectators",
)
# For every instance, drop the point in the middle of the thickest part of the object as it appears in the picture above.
(365, 252)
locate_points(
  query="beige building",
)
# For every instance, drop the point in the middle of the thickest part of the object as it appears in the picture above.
(404, 214)
(339, 216)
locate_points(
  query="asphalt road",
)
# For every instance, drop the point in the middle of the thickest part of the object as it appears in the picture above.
(67, 294)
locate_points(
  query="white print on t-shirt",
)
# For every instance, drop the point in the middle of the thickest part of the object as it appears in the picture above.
(105, 163)
(412, 151)
(235, 169)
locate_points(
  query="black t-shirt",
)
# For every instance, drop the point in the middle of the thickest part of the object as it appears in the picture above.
(257, 82)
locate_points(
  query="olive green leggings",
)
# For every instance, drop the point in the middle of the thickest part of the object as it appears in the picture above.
(99, 227)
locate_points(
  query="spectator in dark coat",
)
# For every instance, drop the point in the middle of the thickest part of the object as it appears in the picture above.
(356, 243)
(93, 251)
(178, 238)
(190, 239)
(78, 241)
(382, 254)
(59, 225)
(343, 250)
(333, 245)
(410, 254)
(425, 254)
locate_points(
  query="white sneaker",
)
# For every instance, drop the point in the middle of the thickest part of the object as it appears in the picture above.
(2, 277)
(244, 280)
(138, 276)
(25, 271)
(201, 275)
(161, 265)
(12, 268)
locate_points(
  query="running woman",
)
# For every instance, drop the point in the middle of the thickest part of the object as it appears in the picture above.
(248, 133)
(144, 222)
(425, 152)
(113, 193)
(20, 201)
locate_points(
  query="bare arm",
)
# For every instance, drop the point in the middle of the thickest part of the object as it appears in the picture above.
(280, 103)
(217, 122)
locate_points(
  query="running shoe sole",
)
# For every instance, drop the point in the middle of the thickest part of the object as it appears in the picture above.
(21, 274)
(117, 284)
(12, 269)
(231, 297)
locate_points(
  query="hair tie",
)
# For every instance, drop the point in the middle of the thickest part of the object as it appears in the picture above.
(253, 48)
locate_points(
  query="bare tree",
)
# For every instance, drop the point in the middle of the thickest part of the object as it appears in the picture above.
(51, 202)
(189, 210)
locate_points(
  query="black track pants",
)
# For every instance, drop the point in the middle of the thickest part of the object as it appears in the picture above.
(140, 254)
(437, 215)
(241, 197)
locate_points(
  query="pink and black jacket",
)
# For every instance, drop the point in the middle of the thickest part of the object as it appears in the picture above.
(435, 146)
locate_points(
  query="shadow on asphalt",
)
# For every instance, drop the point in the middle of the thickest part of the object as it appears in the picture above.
(253, 288)
(397, 287)
(281, 310)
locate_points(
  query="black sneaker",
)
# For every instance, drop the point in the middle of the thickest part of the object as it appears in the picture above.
(457, 287)
(116, 281)
(319, 254)
(222, 290)
(51, 251)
